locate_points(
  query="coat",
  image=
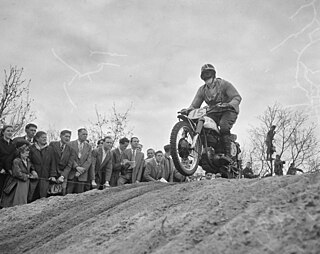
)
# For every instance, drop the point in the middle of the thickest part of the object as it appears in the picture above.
(61, 162)
(168, 168)
(139, 159)
(84, 161)
(153, 171)
(102, 170)
(41, 161)
(15, 191)
(116, 166)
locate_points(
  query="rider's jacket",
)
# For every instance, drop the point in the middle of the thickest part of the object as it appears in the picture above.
(222, 91)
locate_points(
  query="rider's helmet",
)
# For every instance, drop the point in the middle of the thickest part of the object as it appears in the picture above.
(208, 71)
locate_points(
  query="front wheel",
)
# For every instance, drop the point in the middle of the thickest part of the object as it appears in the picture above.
(185, 159)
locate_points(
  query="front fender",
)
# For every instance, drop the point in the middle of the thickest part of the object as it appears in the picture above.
(187, 120)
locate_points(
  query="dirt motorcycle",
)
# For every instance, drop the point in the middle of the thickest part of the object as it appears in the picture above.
(196, 141)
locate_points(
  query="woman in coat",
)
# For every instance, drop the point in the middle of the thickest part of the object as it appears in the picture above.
(7, 153)
(40, 158)
(15, 191)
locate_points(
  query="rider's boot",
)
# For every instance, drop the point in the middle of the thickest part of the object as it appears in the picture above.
(226, 142)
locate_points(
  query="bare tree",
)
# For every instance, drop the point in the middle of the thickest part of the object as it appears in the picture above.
(116, 125)
(53, 134)
(295, 138)
(15, 101)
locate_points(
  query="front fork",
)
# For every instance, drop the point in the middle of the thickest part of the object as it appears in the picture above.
(198, 131)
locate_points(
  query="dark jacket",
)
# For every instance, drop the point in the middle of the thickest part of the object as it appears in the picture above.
(61, 162)
(153, 171)
(7, 154)
(101, 169)
(168, 168)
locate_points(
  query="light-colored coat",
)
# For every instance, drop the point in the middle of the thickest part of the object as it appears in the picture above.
(84, 161)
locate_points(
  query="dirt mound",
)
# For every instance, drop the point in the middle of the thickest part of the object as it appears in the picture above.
(270, 215)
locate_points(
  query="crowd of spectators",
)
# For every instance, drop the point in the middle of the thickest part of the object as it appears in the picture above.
(31, 168)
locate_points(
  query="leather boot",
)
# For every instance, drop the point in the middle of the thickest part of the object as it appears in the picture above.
(226, 142)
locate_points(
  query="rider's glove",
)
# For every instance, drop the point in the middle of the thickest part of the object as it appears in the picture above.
(185, 111)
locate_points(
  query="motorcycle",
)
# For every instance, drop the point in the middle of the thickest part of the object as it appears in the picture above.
(196, 141)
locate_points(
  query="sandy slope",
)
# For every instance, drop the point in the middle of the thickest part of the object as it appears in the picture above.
(270, 215)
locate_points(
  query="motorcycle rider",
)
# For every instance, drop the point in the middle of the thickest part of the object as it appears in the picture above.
(218, 92)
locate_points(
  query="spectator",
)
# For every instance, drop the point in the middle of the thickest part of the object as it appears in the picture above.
(150, 154)
(40, 158)
(62, 158)
(133, 161)
(116, 161)
(100, 143)
(7, 153)
(293, 170)
(269, 142)
(278, 166)
(30, 130)
(155, 169)
(139, 147)
(168, 164)
(102, 164)
(208, 176)
(16, 188)
(248, 172)
(79, 172)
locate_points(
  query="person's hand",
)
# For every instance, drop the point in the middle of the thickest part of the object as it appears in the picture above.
(224, 105)
(60, 179)
(52, 179)
(77, 174)
(137, 181)
(126, 162)
(34, 174)
(2, 171)
(185, 111)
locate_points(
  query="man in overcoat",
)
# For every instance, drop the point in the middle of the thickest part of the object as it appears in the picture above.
(133, 160)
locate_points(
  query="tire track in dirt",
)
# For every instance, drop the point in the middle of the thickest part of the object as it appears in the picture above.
(51, 223)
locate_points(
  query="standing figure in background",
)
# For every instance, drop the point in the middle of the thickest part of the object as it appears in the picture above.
(7, 154)
(278, 166)
(269, 142)
(117, 161)
(40, 158)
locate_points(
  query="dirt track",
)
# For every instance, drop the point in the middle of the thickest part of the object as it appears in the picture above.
(271, 215)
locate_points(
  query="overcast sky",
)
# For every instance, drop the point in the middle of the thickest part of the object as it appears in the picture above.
(82, 54)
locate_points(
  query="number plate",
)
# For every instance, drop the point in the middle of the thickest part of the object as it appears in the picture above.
(197, 113)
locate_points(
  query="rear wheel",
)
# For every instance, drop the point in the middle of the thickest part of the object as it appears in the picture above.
(185, 159)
